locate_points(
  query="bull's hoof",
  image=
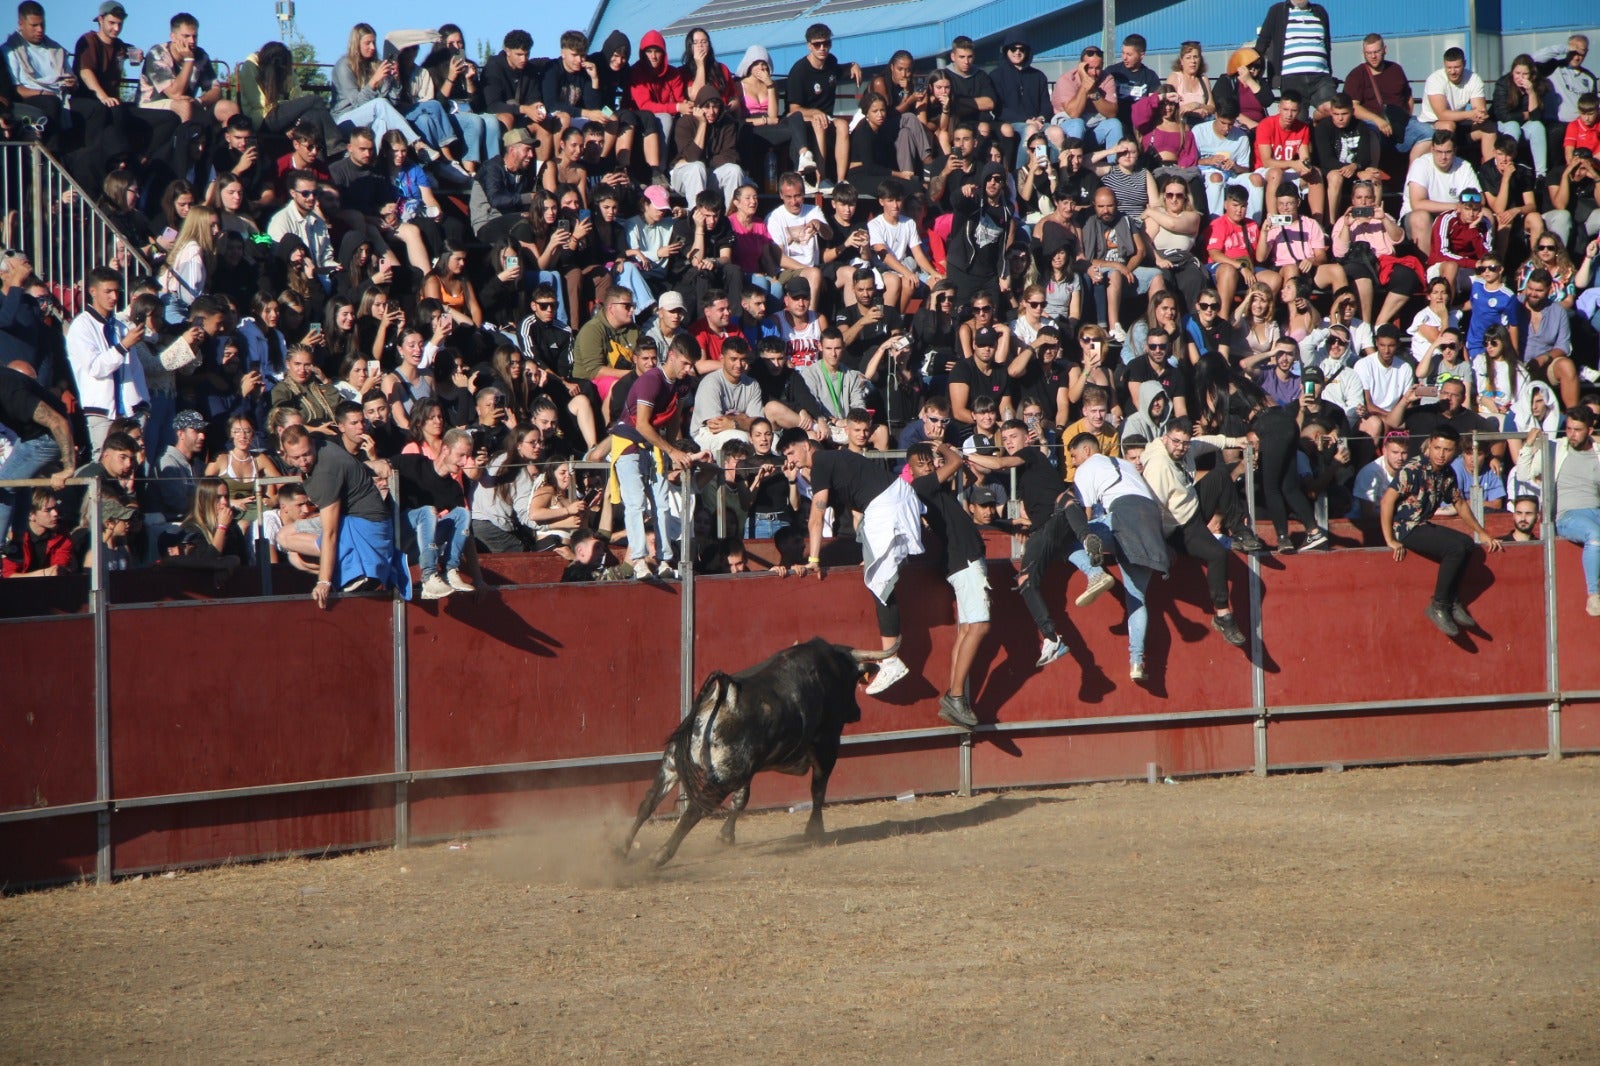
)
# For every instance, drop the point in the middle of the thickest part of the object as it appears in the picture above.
(814, 834)
(725, 837)
(659, 859)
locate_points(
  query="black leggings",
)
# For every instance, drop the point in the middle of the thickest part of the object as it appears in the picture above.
(1447, 547)
(1280, 480)
(313, 110)
(1062, 534)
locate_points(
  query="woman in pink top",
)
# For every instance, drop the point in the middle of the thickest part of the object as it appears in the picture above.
(753, 250)
(1188, 79)
(1366, 223)
(763, 130)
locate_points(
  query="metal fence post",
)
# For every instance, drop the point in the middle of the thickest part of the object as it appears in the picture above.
(1475, 496)
(102, 685)
(1258, 671)
(35, 192)
(401, 684)
(686, 606)
(1552, 628)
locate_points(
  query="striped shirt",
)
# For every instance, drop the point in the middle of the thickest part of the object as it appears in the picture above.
(1131, 190)
(1304, 51)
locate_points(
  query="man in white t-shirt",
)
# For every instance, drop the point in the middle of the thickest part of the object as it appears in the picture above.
(1373, 479)
(1434, 184)
(1384, 378)
(797, 228)
(898, 245)
(1453, 102)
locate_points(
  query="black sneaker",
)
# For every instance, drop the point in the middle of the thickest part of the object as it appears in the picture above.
(1285, 545)
(1246, 541)
(1317, 538)
(1096, 550)
(957, 711)
(1229, 628)
(1459, 615)
(1440, 615)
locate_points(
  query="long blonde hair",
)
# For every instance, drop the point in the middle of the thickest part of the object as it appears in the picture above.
(207, 491)
(361, 68)
(196, 229)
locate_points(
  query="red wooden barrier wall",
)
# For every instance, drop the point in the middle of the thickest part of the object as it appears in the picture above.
(218, 695)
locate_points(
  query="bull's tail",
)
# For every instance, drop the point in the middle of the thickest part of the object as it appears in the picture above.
(696, 774)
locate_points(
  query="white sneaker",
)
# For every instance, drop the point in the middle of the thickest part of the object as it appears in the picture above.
(668, 572)
(1118, 334)
(1590, 374)
(435, 587)
(889, 671)
(1097, 585)
(1136, 671)
(1050, 651)
(1593, 606)
(806, 162)
(458, 581)
(641, 569)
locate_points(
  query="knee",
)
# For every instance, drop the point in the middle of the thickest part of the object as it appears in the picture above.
(1214, 178)
(1257, 181)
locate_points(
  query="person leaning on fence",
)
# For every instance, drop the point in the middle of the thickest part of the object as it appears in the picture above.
(1196, 510)
(434, 506)
(357, 550)
(650, 418)
(1423, 485)
(1575, 480)
(890, 528)
(1058, 527)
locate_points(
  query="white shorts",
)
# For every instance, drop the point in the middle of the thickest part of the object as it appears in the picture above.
(972, 592)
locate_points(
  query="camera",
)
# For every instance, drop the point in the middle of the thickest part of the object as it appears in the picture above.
(1362, 212)
(1280, 220)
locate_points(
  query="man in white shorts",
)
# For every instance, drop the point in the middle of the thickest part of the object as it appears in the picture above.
(965, 567)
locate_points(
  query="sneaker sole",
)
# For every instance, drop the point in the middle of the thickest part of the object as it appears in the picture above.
(879, 684)
(1096, 589)
(955, 719)
(1044, 661)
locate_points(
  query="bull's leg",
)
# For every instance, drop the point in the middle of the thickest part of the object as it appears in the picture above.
(666, 780)
(686, 821)
(740, 798)
(824, 755)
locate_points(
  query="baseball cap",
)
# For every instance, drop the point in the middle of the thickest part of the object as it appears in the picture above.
(797, 287)
(658, 196)
(1312, 376)
(187, 420)
(511, 138)
(116, 509)
(982, 495)
(670, 301)
(987, 337)
(111, 7)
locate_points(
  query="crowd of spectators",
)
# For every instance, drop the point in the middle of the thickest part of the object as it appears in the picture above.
(444, 279)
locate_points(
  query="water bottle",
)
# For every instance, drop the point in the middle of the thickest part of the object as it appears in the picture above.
(772, 172)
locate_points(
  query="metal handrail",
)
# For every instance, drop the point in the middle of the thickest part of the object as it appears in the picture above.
(69, 235)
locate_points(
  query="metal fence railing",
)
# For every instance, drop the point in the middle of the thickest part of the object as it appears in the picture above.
(60, 225)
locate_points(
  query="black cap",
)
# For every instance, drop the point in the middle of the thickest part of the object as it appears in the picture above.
(1312, 376)
(797, 287)
(987, 337)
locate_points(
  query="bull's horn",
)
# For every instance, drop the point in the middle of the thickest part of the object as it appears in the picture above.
(862, 656)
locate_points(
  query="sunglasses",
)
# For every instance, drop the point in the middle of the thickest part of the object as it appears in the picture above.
(821, 45)
(1489, 268)
(1549, 247)
(932, 420)
(545, 305)
(1152, 347)
(1449, 347)
(1035, 303)
(1208, 306)
(984, 310)
(1173, 195)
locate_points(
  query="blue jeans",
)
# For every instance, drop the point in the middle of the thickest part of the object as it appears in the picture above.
(1106, 132)
(379, 116)
(1135, 580)
(1532, 132)
(449, 531)
(26, 459)
(637, 476)
(1582, 526)
(479, 133)
(759, 528)
(630, 277)
(433, 122)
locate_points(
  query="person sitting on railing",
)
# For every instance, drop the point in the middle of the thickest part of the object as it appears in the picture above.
(1575, 479)
(39, 75)
(273, 100)
(97, 61)
(40, 549)
(1424, 485)
(178, 77)
(357, 545)
(433, 504)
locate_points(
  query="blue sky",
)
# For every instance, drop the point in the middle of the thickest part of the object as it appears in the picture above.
(232, 31)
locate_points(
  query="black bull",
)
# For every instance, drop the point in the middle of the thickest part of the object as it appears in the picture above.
(785, 714)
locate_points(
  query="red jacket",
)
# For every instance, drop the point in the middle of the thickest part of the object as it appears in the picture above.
(19, 559)
(1455, 241)
(653, 89)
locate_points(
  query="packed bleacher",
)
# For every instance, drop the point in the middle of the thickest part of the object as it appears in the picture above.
(433, 286)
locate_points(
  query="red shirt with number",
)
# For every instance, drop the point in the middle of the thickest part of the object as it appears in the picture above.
(1285, 145)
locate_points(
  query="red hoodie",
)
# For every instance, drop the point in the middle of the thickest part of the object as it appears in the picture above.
(651, 88)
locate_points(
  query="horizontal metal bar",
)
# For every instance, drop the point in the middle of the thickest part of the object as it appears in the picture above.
(1115, 720)
(1414, 704)
(165, 605)
(41, 482)
(446, 773)
(252, 791)
(32, 618)
(59, 811)
(1581, 694)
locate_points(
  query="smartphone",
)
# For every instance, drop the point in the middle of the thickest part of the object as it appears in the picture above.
(583, 215)
(1041, 153)
(1281, 220)
(513, 262)
(1428, 392)
(564, 225)
(919, 83)
(1362, 212)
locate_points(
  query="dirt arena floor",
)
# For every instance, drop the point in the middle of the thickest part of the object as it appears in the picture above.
(1413, 914)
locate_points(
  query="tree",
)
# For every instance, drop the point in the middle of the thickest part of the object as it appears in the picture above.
(309, 71)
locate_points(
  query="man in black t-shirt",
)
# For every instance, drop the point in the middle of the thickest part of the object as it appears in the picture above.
(811, 89)
(890, 528)
(981, 376)
(964, 567)
(1059, 527)
(357, 547)
(434, 504)
(1153, 366)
